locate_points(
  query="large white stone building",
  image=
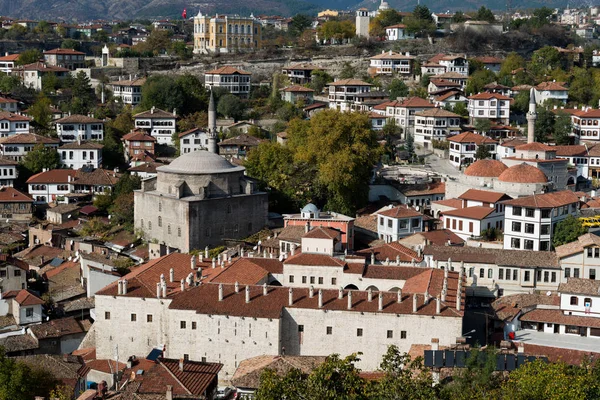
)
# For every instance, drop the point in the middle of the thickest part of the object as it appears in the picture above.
(392, 63)
(581, 258)
(158, 123)
(494, 106)
(234, 80)
(129, 91)
(530, 221)
(79, 155)
(435, 124)
(404, 111)
(161, 304)
(75, 128)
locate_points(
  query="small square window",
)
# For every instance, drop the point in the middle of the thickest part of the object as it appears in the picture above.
(329, 330)
(402, 334)
(291, 278)
(320, 280)
(107, 315)
(390, 334)
(193, 325)
(149, 318)
(181, 324)
(133, 317)
(29, 312)
(333, 281)
(304, 279)
(359, 332)
(312, 280)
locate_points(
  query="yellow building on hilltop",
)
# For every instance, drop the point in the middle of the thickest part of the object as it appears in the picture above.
(226, 34)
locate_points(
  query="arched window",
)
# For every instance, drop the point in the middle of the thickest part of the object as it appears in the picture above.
(574, 301)
(159, 221)
(149, 225)
(481, 272)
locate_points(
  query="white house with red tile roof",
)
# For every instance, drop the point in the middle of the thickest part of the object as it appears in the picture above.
(403, 111)
(65, 58)
(77, 155)
(394, 223)
(452, 63)
(530, 221)
(8, 62)
(472, 222)
(464, 146)
(17, 146)
(448, 97)
(490, 63)
(299, 74)
(9, 105)
(13, 124)
(13, 272)
(492, 106)
(192, 140)
(586, 122)
(391, 63)
(23, 305)
(435, 124)
(32, 74)
(398, 32)
(454, 77)
(551, 91)
(129, 90)
(158, 123)
(346, 94)
(234, 80)
(581, 258)
(74, 128)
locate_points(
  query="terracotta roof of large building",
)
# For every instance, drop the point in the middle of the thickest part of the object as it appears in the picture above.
(305, 67)
(390, 251)
(82, 145)
(297, 88)
(392, 55)
(78, 119)
(65, 51)
(204, 299)
(583, 241)
(421, 189)
(486, 168)
(580, 286)
(475, 212)
(155, 113)
(129, 82)
(42, 67)
(484, 196)
(242, 140)
(10, 194)
(58, 328)
(571, 151)
(227, 70)
(349, 82)
(310, 259)
(142, 280)
(437, 112)
(545, 200)
(249, 371)
(320, 232)
(139, 136)
(558, 317)
(10, 57)
(28, 138)
(248, 271)
(512, 258)
(401, 211)
(53, 176)
(523, 173)
(506, 308)
(440, 237)
(470, 137)
(535, 146)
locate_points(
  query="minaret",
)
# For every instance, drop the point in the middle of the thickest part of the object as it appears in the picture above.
(531, 117)
(212, 125)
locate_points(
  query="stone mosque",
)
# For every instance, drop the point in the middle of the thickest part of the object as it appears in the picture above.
(199, 199)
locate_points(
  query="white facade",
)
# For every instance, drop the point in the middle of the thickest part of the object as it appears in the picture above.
(551, 91)
(79, 128)
(13, 124)
(403, 112)
(392, 225)
(8, 173)
(435, 125)
(234, 81)
(16, 151)
(344, 94)
(391, 63)
(457, 64)
(489, 105)
(463, 148)
(77, 158)
(130, 91)
(160, 124)
(193, 140)
(398, 32)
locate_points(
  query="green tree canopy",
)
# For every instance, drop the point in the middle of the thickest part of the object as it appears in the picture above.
(231, 106)
(319, 79)
(544, 125)
(384, 19)
(39, 158)
(397, 88)
(41, 114)
(420, 22)
(562, 128)
(184, 93)
(29, 56)
(485, 14)
(567, 231)
(348, 71)
(299, 23)
(477, 81)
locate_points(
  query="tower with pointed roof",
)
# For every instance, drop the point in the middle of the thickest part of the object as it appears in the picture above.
(531, 117)
(212, 125)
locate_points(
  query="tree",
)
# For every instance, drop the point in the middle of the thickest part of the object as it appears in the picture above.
(567, 231)
(477, 81)
(231, 106)
(409, 145)
(299, 23)
(194, 120)
(482, 125)
(348, 71)
(521, 102)
(460, 109)
(482, 152)
(544, 60)
(563, 128)
(122, 209)
(319, 79)
(29, 56)
(70, 44)
(512, 62)
(163, 92)
(84, 98)
(384, 19)
(544, 125)
(420, 22)
(18, 381)
(39, 158)
(485, 14)
(540, 380)
(458, 17)
(41, 114)
(580, 90)
(477, 381)
(397, 88)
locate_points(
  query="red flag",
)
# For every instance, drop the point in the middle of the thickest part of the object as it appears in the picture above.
(184, 13)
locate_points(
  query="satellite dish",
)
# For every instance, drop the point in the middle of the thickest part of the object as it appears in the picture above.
(548, 293)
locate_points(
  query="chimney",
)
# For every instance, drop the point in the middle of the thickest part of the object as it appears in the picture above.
(372, 258)
(307, 227)
(449, 264)
(291, 297)
(169, 394)
(181, 364)
(349, 300)
(237, 287)
(399, 295)
(174, 112)
(397, 260)
(125, 286)
(182, 283)
(435, 344)
(193, 263)
(247, 294)
(152, 110)
(370, 295)
(311, 291)
(199, 274)
(157, 290)
(119, 287)
(242, 252)
(293, 249)
(164, 290)
(426, 297)
(415, 303)
(340, 293)
(190, 279)
(380, 298)
(320, 298)
(438, 305)
(521, 348)
(265, 289)
(214, 262)
(458, 301)
(171, 275)
(220, 292)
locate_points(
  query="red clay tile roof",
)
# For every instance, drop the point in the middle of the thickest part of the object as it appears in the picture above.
(486, 168)
(242, 140)
(249, 371)
(23, 297)
(391, 272)
(349, 82)
(142, 280)
(535, 146)
(227, 70)
(204, 299)
(570, 151)
(4, 115)
(393, 56)
(41, 67)
(488, 96)
(523, 173)
(28, 138)
(193, 130)
(64, 51)
(551, 86)
(580, 286)
(196, 377)
(320, 232)
(60, 327)
(297, 88)
(309, 259)
(441, 237)
(476, 212)
(390, 251)
(506, 308)
(82, 145)
(437, 112)
(78, 119)
(557, 317)
(470, 137)
(139, 136)
(248, 271)
(489, 60)
(556, 354)
(454, 203)
(401, 26)
(484, 196)
(9, 195)
(400, 212)
(132, 82)
(10, 57)
(155, 113)
(545, 200)
(106, 366)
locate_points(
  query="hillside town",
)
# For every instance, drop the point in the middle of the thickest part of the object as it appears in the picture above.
(390, 203)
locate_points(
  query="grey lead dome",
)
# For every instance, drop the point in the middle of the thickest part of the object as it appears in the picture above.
(199, 162)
